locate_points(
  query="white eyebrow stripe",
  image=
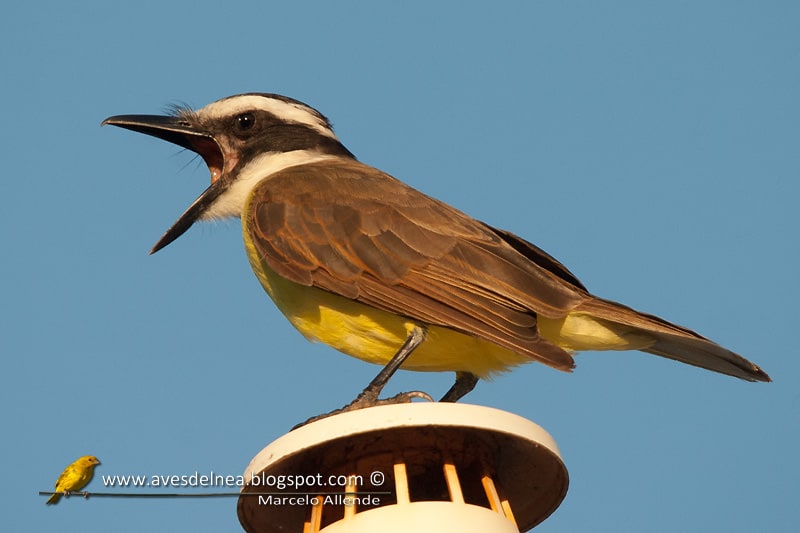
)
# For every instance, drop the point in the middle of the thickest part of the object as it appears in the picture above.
(289, 111)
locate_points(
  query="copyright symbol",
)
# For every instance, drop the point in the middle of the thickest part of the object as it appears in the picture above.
(377, 478)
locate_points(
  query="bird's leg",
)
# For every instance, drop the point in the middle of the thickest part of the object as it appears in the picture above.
(465, 382)
(369, 396)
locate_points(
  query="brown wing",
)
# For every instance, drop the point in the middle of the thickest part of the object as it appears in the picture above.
(352, 230)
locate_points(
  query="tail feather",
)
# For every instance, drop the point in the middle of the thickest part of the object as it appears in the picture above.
(673, 341)
(53, 498)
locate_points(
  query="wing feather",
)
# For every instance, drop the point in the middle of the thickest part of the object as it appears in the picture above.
(350, 229)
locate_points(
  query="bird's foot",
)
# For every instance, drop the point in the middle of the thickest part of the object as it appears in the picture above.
(368, 399)
(85, 494)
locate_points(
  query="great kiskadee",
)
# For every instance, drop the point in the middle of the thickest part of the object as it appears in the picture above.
(378, 270)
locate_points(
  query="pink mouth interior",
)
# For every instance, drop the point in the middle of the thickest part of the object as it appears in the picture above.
(211, 154)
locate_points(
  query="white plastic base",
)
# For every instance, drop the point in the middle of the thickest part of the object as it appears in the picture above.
(419, 517)
(476, 445)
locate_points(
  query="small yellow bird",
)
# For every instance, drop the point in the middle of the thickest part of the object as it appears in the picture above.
(74, 477)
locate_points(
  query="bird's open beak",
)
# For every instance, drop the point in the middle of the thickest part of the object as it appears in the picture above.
(177, 131)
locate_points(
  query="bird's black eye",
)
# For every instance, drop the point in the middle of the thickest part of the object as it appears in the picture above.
(244, 122)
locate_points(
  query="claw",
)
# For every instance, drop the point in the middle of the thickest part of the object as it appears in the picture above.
(365, 400)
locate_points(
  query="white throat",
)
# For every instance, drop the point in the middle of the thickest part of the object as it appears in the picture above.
(231, 202)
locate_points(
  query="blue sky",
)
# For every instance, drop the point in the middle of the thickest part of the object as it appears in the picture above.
(651, 147)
